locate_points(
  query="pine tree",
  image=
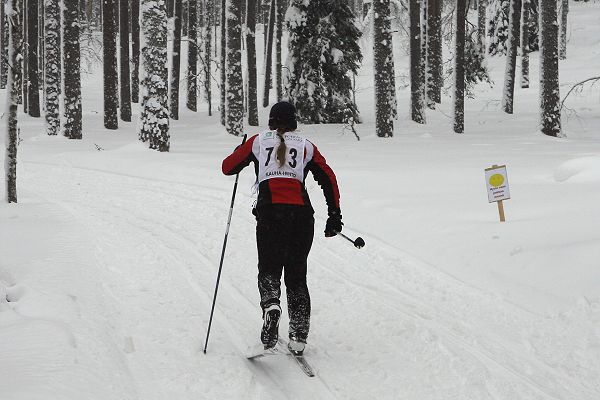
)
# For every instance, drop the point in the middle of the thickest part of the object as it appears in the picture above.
(434, 51)
(525, 44)
(72, 71)
(176, 63)
(109, 59)
(33, 84)
(251, 54)
(154, 117)
(11, 141)
(124, 55)
(459, 67)
(417, 80)
(3, 46)
(235, 83)
(209, 22)
(549, 83)
(192, 69)
(268, 60)
(53, 65)
(323, 52)
(383, 65)
(511, 59)
(135, 50)
(564, 13)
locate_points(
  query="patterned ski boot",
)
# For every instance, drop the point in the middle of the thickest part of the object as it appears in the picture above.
(270, 329)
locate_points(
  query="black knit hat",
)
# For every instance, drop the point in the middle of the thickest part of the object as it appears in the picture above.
(283, 116)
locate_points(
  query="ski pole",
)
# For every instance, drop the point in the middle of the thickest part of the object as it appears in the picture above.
(212, 310)
(358, 242)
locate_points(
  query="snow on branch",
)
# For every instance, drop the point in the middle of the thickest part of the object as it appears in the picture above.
(578, 86)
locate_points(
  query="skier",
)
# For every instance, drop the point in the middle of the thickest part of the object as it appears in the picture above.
(284, 215)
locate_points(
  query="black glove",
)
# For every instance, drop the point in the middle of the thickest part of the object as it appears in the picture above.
(334, 223)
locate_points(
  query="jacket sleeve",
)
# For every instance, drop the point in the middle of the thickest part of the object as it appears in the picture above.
(240, 158)
(326, 179)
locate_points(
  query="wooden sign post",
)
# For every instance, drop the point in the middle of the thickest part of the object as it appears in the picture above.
(496, 181)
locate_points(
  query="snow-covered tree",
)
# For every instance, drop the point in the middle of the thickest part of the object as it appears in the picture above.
(3, 46)
(323, 52)
(564, 13)
(135, 50)
(481, 23)
(251, 55)
(511, 58)
(434, 51)
(209, 21)
(234, 106)
(176, 60)
(109, 60)
(549, 83)
(52, 65)
(499, 11)
(11, 140)
(72, 71)
(125, 86)
(33, 75)
(268, 58)
(279, 17)
(383, 70)
(154, 116)
(223, 58)
(192, 67)
(525, 15)
(417, 78)
(459, 67)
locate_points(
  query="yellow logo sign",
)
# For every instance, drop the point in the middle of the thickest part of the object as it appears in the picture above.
(496, 180)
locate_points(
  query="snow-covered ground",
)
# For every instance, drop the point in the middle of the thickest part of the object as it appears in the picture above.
(108, 261)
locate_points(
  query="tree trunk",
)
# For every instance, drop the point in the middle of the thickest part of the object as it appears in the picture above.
(24, 53)
(511, 56)
(12, 137)
(125, 72)
(563, 29)
(3, 46)
(209, 22)
(72, 71)
(434, 51)
(280, 14)
(235, 82)
(251, 54)
(549, 83)
(17, 37)
(176, 61)
(525, 45)
(223, 61)
(416, 72)
(192, 69)
(52, 66)
(154, 118)
(33, 86)
(383, 62)
(111, 78)
(268, 53)
(459, 67)
(135, 50)
(481, 24)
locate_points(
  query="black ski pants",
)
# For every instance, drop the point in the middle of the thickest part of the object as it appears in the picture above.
(284, 235)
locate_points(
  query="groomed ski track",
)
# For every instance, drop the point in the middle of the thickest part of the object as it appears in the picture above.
(385, 325)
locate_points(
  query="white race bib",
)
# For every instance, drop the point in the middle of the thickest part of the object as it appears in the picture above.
(268, 165)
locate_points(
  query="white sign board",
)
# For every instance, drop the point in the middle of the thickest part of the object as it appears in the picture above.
(496, 180)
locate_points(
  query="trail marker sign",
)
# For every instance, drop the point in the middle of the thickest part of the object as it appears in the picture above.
(496, 180)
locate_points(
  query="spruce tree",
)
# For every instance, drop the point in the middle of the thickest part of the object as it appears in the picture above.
(209, 17)
(3, 46)
(124, 57)
(323, 51)
(525, 44)
(109, 60)
(192, 69)
(33, 83)
(176, 61)
(135, 50)
(417, 79)
(511, 58)
(434, 51)
(11, 141)
(549, 83)
(459, 67)
(235, 85)
(251, 55)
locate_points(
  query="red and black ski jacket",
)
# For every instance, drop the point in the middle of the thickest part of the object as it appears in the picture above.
(284, 184)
